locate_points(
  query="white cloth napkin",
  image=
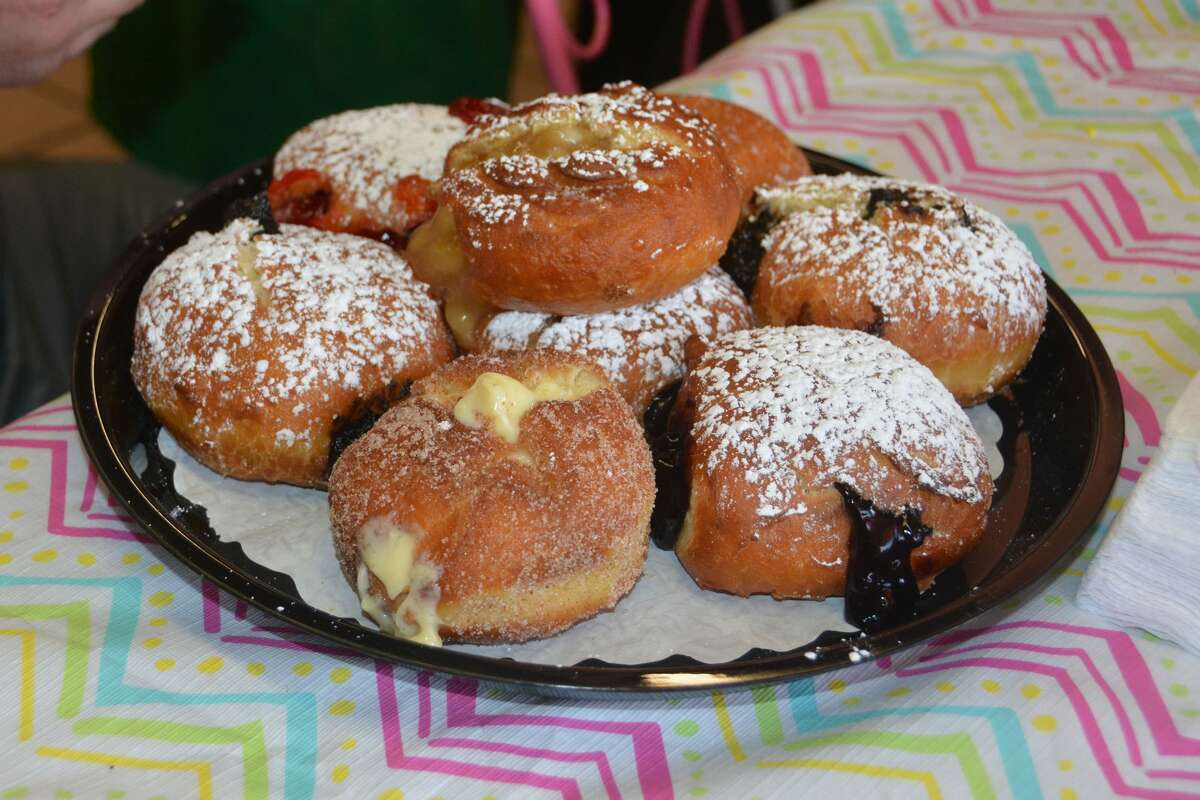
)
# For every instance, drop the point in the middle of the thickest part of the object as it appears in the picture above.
(1147, 572)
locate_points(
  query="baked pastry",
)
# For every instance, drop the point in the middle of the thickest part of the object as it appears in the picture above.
(577, 205)
(933, 274)
(639, 348)
(367, 172)
(775, 417)
(761, 153)
(506, 499)
(251, 348)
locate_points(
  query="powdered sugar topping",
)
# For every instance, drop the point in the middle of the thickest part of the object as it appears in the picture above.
(313, 312)
(777, 400)
(933, 255)
(556, 147)
(364, 153)
(637, 345)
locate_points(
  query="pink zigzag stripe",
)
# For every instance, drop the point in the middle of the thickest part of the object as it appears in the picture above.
(56, 513)
(1098, 248)
(905, 142)
(654, 775)
(596, 756)
(424, 722)
(1127, 206)
(1116, 42)
(393, 744)
(1135, 751)
(869, 126)
(1124, 201)
(1141, 410)
(1091, 728)
(211, 597)
(1144, 417)
(1159, 81)
(89, 490)
(425, 705)
(1132, 667)
(1039, 28)
(1018, 27)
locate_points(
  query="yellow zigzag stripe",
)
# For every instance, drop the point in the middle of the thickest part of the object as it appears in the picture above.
(202, 769)
(78, 620)
(927, 779)
(28, 638)
(1123, 144)
(726, 725)
(891, 65)
(1188, 333)
(1152, 344)
(1154, 23)
(892, 68)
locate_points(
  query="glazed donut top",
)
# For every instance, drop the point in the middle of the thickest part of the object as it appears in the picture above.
(277, 318)
(918, 250)
(557, 148)
(645, 341)
(777, 401)
(364, 153)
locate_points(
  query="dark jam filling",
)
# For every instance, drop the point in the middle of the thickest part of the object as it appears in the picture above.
(745, 250)
(881, 590)
(257, 207)
(890, 196)
(666, 450)
(361, 418)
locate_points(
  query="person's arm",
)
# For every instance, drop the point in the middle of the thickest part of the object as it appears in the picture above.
(37, 36)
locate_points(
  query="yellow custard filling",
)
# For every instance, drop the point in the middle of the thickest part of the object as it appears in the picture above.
(389, 554)
(499, 402)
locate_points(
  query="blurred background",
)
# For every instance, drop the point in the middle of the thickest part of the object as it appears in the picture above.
(180, 92)
(195, 88)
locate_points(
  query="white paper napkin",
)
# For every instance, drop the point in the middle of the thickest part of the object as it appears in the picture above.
(1147, 572)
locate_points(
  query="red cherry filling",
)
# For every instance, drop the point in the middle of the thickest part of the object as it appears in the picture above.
(301, 196)
(468, 109)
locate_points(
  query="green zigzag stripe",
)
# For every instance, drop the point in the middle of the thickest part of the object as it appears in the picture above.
(1164, 314)
(770, 726)
(248, 735)
(958, 745)
(1025, 106)
(79, 627)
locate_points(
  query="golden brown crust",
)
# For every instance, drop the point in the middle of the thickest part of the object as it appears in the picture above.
(586, 204)
(775, 417)
(530, 537)
(760, 151)
(943, 280)
(639, 348)
(248, 346)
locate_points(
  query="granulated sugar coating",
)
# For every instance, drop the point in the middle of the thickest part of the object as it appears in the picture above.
(775, 401)
(639, 348)
(364, 153)
(530, 535)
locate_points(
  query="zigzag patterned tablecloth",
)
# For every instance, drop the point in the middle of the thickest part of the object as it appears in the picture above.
(1076, 122)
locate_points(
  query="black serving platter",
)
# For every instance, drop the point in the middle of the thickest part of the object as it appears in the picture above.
(1064, 430)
